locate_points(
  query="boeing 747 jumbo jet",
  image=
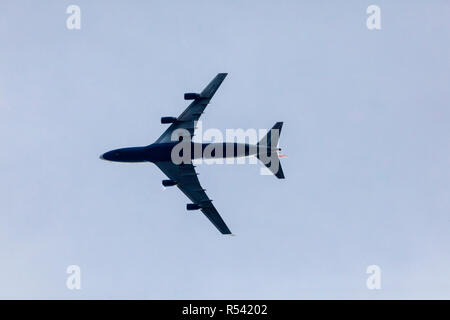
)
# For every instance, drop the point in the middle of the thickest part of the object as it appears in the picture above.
(174, 151)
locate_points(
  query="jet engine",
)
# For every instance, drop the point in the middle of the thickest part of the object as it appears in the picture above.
(192, 206)
(169, 183)
(168, 120)
(191, 96)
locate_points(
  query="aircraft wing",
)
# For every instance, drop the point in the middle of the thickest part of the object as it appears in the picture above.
(188, 183)
(194, 110)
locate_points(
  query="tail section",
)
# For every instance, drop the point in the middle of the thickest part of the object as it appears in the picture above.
(268, 150)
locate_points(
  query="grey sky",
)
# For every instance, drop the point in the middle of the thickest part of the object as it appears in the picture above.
(366, 132)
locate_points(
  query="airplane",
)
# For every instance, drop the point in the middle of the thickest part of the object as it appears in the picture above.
(182, 174)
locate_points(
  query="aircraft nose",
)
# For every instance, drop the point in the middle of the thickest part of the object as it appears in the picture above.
(109, 156)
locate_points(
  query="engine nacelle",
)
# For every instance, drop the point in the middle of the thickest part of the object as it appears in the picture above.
(169, 183)
(168, 120)
(193, 206)
(191, 96)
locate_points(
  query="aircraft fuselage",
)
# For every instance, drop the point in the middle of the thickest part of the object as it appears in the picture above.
(164, 151)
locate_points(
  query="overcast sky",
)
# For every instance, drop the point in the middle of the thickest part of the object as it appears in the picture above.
(366, 133)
